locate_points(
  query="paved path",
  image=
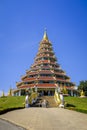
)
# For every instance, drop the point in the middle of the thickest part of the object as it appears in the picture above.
(47, 119)
(5, 125)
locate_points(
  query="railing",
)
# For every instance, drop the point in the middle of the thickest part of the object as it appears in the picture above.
(46, 78)
(63, 80)
(32, 72)
(46, 85)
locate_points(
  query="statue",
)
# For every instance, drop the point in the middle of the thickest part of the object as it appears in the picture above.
(27, 101)
(82, 94)
(44, 103)
(58, 89)
(62, 100)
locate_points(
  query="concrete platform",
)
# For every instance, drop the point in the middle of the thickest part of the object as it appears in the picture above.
(47, 119)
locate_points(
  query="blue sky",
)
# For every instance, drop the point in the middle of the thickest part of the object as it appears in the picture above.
(22, 24)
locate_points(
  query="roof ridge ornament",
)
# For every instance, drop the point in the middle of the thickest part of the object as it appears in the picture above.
(45, 37)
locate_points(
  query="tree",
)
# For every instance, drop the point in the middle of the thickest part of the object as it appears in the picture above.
(83, 86)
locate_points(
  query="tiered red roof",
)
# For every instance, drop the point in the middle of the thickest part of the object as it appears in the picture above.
(45, 72)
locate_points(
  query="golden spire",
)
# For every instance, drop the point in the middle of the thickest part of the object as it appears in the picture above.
(45, 37)
(10, 92)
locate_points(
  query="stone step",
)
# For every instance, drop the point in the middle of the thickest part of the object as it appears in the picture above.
(50, 101)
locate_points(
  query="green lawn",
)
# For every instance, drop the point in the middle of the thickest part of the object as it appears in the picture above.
(17, 102)
(11, 103)
(76, 103)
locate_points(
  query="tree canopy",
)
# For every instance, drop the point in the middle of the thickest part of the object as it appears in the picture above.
(83, 86)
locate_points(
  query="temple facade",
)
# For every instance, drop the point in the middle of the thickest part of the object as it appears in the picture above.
(45, 73)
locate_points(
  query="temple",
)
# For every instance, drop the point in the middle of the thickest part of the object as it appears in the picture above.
(45, 73)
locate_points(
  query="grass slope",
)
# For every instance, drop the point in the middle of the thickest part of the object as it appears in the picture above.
(76, 103)
(11, 103)
(17, 102)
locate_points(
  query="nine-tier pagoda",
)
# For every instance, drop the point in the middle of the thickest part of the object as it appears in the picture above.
(45, 74)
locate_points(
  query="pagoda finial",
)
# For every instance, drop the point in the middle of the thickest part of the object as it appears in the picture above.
(45, 37)
(10, 92)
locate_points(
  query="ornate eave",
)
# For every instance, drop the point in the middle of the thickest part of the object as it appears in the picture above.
(45, 62)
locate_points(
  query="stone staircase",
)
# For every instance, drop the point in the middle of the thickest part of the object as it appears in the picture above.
(50, 102)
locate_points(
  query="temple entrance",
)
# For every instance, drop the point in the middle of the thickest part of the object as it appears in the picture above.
(46, 93)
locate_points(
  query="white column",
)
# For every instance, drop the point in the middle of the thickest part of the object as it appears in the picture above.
(71, 92)
(20, 92)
